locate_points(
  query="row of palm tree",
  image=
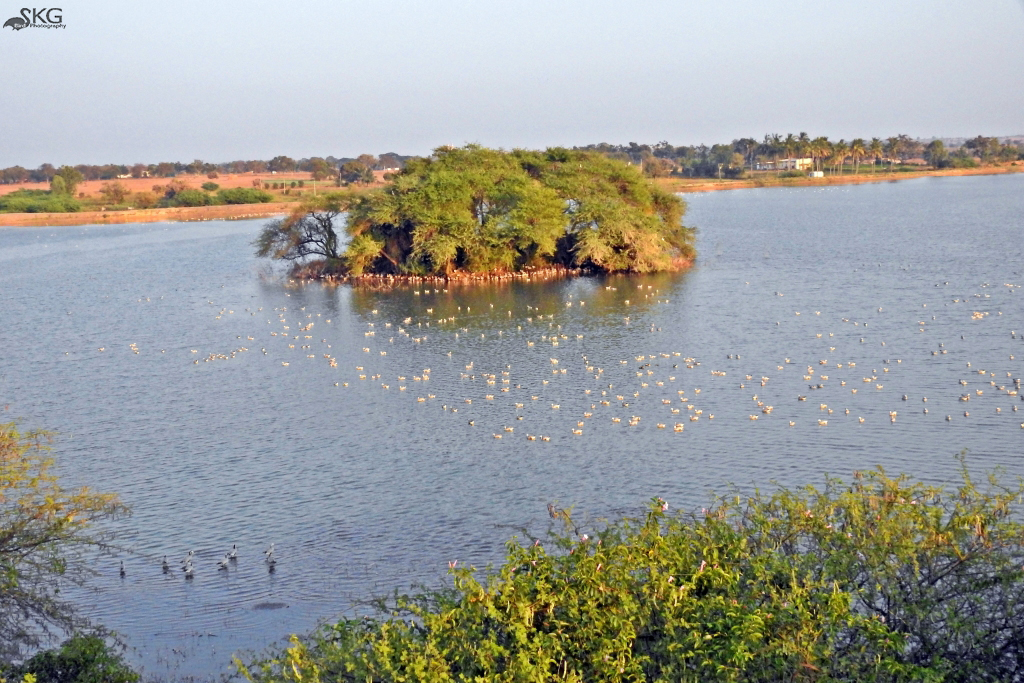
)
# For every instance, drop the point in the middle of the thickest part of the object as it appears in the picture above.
(825, 153)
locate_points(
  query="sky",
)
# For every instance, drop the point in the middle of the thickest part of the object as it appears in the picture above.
(128, 82)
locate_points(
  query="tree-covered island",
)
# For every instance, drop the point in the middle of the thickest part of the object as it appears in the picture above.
(476, 211)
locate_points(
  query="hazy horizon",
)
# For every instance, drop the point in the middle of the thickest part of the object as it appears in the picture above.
(126, 83)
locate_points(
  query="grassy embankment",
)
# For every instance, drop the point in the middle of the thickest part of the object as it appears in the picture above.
(94, 211)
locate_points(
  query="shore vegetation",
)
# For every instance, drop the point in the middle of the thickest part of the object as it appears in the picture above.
(877, 579)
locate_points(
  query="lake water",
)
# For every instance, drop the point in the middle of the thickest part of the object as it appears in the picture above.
(231, 420)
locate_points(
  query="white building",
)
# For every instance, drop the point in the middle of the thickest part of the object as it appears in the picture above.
(801, 164)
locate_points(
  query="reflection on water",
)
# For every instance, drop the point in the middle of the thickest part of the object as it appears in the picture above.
(335, 422)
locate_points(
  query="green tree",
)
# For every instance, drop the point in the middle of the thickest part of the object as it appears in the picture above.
(935, 153)
(210, 186)
(858, 151)
(58, 186)
(114, 193)
(354, 172)
(320, 169)
(892, 149)
(72, 177)
(840, 151)
(875, 149)
(281, 163)
(45, 533)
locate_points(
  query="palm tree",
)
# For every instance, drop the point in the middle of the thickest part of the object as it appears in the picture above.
(790, 144)
(820, 148)
(875, 150)
(803, 144)
(839, 152)
(857, 151)
(892, 148)
(772, 144)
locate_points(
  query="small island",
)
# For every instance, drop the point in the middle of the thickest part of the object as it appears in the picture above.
(471, 212)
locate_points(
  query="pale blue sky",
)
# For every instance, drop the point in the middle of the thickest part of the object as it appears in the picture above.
(146, 81)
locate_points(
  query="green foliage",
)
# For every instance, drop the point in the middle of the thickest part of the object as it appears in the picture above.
(190, 197)
(244, 195)
(210, 186)
(44, 532)
(881, 579)
(38, 201)
(71, 177)
(81, 659)
(114, 192)
(481, 210)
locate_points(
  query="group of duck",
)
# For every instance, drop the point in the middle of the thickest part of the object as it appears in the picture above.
(230, 559)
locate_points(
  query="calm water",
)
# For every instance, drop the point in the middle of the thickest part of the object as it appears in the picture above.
(364, 487)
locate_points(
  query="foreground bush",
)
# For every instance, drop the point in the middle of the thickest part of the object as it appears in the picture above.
(46, 535)
(881, 579)
(81, 659)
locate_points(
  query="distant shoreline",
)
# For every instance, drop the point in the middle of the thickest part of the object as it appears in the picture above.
(673, 184)
(689, 185)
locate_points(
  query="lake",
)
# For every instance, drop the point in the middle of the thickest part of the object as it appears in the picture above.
(356, 429)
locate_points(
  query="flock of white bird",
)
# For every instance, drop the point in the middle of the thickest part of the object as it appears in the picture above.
(597, 391)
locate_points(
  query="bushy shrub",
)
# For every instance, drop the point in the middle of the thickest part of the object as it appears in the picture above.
(38, 201)
(244, 195)
(881, 579)
(81, 659)
(793, 174)
(190, 197)
(962, 161)
(210, 187)
(144, 200)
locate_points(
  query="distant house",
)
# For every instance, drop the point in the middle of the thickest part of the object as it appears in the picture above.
(794, 164)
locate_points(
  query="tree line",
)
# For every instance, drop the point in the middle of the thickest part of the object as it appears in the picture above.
(321, 167)
(746, 155)
(723, 159)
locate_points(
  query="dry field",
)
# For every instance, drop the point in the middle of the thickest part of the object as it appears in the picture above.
(91, 188)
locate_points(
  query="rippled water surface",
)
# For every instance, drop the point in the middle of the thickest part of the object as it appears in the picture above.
(227, 405)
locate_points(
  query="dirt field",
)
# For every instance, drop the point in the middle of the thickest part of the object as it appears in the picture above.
(176, 214)
(91, 188)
